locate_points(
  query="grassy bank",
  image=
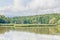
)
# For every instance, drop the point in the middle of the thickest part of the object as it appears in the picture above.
(27, 25)
(37, 28)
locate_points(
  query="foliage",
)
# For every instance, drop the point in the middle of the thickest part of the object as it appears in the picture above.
(58, 22)
(37, 19)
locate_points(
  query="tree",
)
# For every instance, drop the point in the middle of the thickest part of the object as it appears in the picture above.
(58, 22)
(52, 20)
(2, 21)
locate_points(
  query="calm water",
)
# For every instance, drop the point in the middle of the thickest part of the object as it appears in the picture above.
(20, 35)
(7, 33)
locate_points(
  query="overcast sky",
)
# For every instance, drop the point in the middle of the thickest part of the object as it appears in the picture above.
(28, 7)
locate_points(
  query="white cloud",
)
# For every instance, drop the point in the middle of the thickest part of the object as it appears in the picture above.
(18, 5)
(42, 4)
(34, 6)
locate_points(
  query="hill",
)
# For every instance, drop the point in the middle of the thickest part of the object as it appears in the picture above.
(36, 19)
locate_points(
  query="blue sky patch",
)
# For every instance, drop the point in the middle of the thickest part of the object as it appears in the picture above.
(5, 2)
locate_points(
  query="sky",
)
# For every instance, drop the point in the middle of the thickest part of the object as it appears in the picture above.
(28, 7)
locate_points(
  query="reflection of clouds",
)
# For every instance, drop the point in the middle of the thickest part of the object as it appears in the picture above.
(19, 35)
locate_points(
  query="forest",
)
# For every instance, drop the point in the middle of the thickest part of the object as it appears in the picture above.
(53, 18)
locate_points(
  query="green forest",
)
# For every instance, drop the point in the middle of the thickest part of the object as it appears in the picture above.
(36, 19)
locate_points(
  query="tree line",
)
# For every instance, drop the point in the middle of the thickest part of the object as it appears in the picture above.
(37, 19)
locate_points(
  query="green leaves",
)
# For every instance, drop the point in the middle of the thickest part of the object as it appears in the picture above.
(37, 19)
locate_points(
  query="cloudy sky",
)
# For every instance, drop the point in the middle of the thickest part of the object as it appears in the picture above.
(28, 7)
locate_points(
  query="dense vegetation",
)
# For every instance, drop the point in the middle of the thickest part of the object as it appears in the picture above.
(37, 19)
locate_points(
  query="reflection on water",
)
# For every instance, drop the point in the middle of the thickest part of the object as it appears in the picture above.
(33, 29)
(39, 30)
(20, 35)
(8, 33)
(4, 29)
